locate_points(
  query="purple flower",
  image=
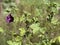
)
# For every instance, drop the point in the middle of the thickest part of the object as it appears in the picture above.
(9, 18)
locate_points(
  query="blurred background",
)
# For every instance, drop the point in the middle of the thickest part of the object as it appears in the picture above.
(36, 22)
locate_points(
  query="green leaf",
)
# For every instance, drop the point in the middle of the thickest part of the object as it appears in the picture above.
(22, 18)
(16, 19)
(54, 10)
(17, 38)
(9, 9)
(30, 20)
(57, 39)
(13, 43)
(37, 13)
(1, 30)
(42, 30)
(22, 31)
(35, 27)
(10, 42)
(35, 18)
(54, 20)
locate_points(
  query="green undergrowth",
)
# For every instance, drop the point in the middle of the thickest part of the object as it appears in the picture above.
(36, 22)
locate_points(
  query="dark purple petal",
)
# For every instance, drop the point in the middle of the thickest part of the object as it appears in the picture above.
(9, 18)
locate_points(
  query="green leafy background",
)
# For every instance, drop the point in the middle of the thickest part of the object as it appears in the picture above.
(36, 22)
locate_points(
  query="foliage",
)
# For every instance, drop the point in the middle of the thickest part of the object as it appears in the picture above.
(35, 22)
(1, 30)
